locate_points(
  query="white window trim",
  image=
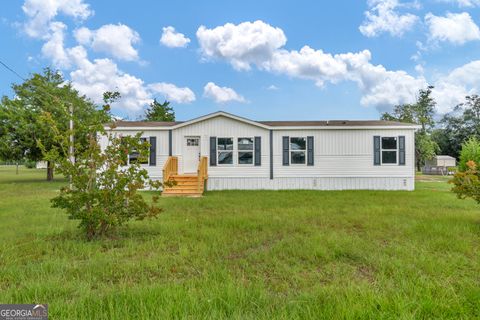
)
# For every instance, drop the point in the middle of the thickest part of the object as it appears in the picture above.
(290, 150)
(233, 153)
(252, 151)
(148, 156)
(381, 152)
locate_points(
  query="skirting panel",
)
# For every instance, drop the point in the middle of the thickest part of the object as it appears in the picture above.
(313, 183)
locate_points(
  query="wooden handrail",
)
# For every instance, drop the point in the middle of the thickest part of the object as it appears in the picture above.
(202, 173)
(170, 168)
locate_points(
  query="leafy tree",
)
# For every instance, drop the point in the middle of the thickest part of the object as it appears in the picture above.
(22, 122)
(470, 152)
(10, 148)
(159, 112)
(458, 126)
(421, 112)
(425, 148)
(467, 183)
(103, 191)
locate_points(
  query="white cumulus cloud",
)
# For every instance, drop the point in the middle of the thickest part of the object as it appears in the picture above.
(463, 3)
(172, 92)
(53, 48)
(173, 39)
(221, 94)
(308, 63)
(41, 12)
(457, 28)
(452, 88)
(94, 78)
(117, 40)
(243, 44)
(380, 87)
(383, 17)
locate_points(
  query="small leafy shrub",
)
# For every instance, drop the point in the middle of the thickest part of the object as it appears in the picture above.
(467, 183)
(470, 152)
(103, 192)
(30, 164)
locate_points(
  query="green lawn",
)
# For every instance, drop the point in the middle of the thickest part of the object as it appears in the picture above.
(248, 255)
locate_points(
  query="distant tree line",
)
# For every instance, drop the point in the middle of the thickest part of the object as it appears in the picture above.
(445, 135)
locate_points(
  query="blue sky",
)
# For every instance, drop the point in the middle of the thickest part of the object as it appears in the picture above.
(259, 59)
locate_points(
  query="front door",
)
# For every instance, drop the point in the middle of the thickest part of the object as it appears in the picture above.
(191, 154)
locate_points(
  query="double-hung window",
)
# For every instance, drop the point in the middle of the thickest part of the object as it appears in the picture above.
(245, 150)
(298, 150)
(134, 156)
(389, 149)
(225, 150)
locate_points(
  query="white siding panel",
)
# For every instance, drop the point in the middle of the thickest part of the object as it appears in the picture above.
(224, 127)
(343, 158)
(155, 172)
(313, 183)
(343, 153)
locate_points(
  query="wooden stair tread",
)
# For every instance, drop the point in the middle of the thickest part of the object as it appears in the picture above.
(186, 185)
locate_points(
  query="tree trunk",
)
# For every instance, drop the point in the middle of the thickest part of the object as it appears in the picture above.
(49, 171)
(16, 170)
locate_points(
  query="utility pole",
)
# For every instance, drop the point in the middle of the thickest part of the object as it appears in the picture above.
(70, 147)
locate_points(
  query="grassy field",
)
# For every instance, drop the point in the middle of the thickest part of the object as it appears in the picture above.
(248, 255)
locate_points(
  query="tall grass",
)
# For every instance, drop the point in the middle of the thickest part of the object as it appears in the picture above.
(248, 255)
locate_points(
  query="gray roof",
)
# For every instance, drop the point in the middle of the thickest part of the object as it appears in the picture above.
(289, 123)
(334, 123)
(444, 157)
(321, 123)
(146, 124)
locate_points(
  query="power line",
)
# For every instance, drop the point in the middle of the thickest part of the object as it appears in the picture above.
(11, 70)
(42, 89)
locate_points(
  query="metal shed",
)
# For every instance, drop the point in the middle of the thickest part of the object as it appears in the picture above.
(440, 164)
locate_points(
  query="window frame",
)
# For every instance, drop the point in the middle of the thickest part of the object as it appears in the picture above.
(146, 139)
(252, 151)
(290, 150)
(233, 153)
(382, 150)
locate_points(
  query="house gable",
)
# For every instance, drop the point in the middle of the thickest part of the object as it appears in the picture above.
(221, 114)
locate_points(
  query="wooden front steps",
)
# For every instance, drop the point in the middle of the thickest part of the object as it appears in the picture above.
(185, 185)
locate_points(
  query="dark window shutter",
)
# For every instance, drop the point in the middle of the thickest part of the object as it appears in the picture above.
(286, 151)
(401, 150)
(153, 151)
(376, 150)
(213, 151)
(258, 151)
(310, 151)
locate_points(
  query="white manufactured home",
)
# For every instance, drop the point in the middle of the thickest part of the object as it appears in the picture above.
(221, 151)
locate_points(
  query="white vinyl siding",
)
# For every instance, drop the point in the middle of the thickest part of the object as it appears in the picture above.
(220, 127)
(343, 157)
(344, 153)
(155, 172)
